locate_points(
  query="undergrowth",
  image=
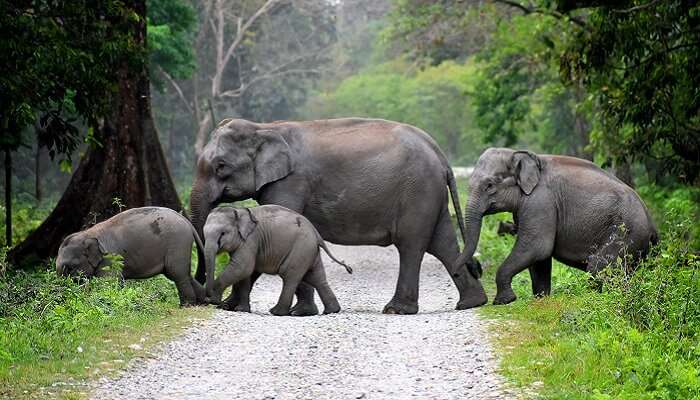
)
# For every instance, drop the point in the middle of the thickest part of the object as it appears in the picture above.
(638, 338)
(56, 332)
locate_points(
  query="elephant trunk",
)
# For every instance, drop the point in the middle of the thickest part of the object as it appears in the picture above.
(200, 206)
(472, 220)
(210, 250)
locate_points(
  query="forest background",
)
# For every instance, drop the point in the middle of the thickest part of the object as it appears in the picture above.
(618, 85)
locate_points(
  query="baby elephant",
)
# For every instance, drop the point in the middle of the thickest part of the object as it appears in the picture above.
(267, 239)
(152, 240)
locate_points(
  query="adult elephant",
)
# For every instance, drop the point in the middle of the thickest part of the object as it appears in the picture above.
(563, 207)
(359, 181)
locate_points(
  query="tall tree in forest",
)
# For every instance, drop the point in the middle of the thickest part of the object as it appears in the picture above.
(124, 166)
(254, 60)
(36, 34)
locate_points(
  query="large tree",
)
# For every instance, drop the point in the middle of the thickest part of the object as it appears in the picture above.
(124, 165)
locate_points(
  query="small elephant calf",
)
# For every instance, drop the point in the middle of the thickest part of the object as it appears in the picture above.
(152, 241)
(268, 239)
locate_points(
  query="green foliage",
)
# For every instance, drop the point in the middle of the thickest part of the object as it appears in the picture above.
(433, 99)
(91, 40)
(643, 66)
(439, 31)
(171, 29)
(637, 339)
(55, 328)
(26, 217)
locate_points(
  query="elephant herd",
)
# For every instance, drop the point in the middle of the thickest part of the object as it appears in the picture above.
(364, 182)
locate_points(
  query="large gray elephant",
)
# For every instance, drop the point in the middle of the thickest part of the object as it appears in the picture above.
(563, 207)
(359, 181)
(267, 239)
(152, 241)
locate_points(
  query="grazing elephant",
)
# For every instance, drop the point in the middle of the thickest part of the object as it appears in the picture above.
(152, 241)
(359, 182)
(563, 207)
(267, 239)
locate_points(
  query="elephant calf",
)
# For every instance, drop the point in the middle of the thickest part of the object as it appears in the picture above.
(152, 240)
(267, 239)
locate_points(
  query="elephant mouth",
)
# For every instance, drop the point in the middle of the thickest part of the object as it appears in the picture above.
(228, 196)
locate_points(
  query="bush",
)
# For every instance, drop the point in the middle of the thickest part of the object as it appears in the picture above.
(54, 328)
(638, 338)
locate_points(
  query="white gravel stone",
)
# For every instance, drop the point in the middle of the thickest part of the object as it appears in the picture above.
(356, 354)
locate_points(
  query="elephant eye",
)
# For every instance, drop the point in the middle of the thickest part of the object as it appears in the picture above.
(222, 169)
(218, 242)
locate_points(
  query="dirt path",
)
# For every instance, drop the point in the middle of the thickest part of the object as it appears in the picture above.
(357, 354)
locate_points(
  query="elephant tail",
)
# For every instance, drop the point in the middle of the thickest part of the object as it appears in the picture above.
(452, 184)
(322, 243)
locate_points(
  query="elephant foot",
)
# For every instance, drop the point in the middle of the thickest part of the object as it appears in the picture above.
(331, 309)
(472, 302)
(505, 298)
(210, 300)
(242, 308)
(234, 307)
(305, 309)
(279, 311)
(396, 307)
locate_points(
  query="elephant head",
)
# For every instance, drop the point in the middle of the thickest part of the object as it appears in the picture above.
(500, 179)
(238, 161)
(79, 255)
(226, 229)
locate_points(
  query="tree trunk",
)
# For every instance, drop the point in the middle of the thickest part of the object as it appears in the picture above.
(37, 174)
(129, 166)
(8, 197)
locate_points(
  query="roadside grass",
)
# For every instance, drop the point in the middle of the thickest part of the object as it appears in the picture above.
(56, 334)
(637, 339)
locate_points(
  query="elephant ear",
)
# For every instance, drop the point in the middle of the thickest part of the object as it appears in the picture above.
(245, 222)
(273, 160)
(93, 251)
(527, 167)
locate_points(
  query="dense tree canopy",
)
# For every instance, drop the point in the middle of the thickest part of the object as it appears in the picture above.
(641, 60)
(91, 40)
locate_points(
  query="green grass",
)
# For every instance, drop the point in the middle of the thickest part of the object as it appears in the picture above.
(55, 334)
(637, 339)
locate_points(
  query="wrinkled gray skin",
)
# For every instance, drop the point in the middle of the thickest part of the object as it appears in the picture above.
(563, 207)
(359, 182)
(152, 241)
(266, 240)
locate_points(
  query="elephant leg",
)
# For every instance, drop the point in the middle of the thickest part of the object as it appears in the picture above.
(444, 247)
(199, 291)
(233, 274)
(541, 276)
(183, 282)
(185, 290)
(284, 304)
(283, 196)
(316, 277)
(306, 305)
(534, 243)
(405, 300)
(239, 299)
(521, 257)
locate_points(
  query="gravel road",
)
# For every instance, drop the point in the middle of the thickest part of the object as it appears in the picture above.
(356, 354)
